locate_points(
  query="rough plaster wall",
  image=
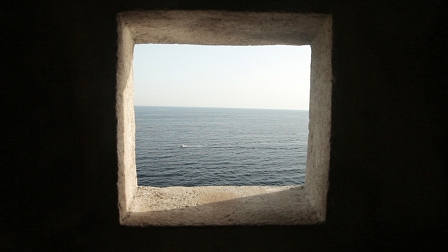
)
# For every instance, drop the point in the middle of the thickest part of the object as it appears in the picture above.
(384, 154)
(318, 157)
(127, 174)
(222, 28)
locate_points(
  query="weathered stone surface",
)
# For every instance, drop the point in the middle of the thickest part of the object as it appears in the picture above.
(227, 28)
(221, 205)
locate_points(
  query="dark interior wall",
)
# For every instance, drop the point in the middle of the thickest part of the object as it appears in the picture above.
(389, 157)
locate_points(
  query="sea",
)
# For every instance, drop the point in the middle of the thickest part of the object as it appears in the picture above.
(184, 146)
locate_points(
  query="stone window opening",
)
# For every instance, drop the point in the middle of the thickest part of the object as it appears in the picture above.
(225, 205)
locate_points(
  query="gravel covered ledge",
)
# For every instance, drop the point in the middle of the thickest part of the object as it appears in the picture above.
(220, 205)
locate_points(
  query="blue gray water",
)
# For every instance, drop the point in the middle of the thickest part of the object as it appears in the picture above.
(219, 146)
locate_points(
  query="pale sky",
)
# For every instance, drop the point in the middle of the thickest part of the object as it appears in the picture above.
(273, 77)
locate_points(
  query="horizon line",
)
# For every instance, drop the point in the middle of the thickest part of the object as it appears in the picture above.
(219, 107)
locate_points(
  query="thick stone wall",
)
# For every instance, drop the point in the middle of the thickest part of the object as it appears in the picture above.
(389, 140)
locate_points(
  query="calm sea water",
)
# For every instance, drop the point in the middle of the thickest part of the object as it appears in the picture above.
(219, 146)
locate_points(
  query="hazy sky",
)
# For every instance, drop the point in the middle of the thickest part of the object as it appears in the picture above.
(275, 77)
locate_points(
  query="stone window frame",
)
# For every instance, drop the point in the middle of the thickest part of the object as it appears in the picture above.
(225, 205)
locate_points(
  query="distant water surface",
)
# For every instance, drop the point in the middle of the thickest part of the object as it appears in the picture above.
(219, 146)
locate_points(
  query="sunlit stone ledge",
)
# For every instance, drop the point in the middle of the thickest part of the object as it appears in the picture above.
(220, 205)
